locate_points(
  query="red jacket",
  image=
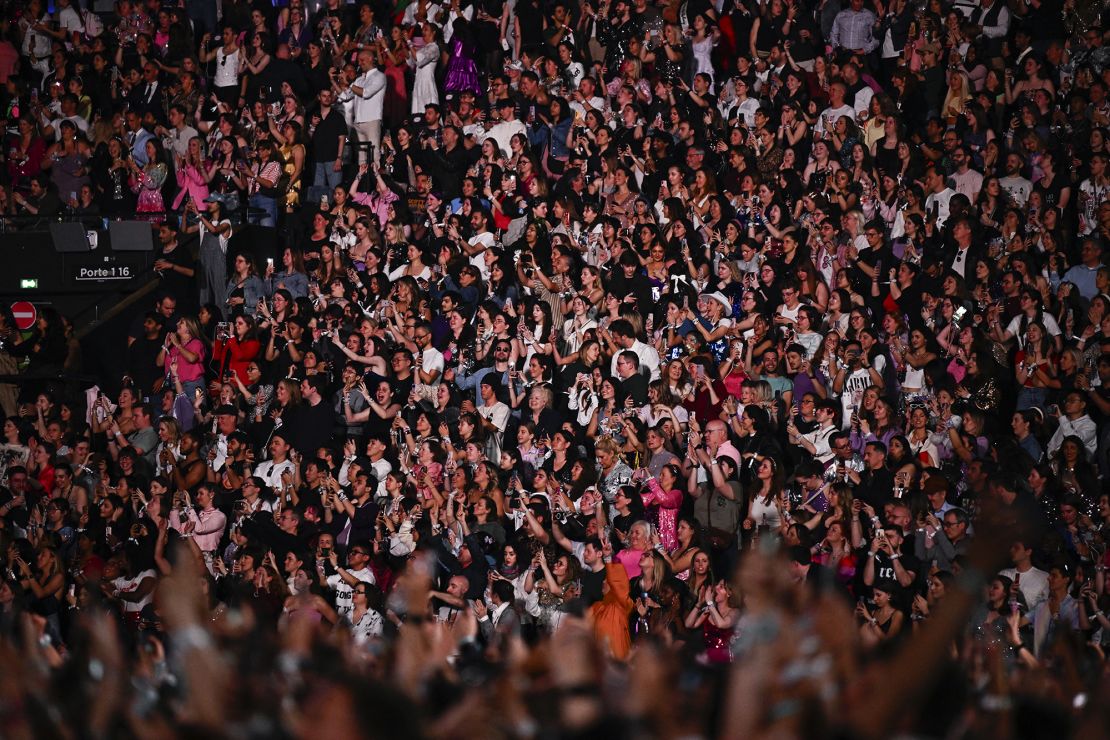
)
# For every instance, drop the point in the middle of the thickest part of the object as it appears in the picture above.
(234, 356)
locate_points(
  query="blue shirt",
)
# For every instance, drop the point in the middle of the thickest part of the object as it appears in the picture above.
(1084, 279)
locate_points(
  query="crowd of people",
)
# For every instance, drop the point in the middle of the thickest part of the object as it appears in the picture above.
(652, 368)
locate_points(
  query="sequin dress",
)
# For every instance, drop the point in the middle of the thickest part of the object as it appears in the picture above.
(462, 71)
(717, 641)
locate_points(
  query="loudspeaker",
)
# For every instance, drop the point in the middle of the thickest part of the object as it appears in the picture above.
(131, 236)
(71, 237)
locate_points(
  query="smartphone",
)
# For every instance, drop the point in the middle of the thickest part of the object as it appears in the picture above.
(269, 262)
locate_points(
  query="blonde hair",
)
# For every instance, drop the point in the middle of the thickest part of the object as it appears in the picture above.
(607, 445)
(294, 390)
(954, 101)
(764, 391)
(193, 326)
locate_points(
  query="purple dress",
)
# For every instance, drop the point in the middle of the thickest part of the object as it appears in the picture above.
(462, 72)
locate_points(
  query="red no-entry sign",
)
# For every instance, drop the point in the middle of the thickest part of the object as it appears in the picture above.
(25, 314)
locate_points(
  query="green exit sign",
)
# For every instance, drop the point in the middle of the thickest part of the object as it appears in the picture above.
(29, 284)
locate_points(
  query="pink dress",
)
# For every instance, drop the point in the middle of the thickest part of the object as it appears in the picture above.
(396, 107)
(148, 184)
(717, 642)
(666, 505)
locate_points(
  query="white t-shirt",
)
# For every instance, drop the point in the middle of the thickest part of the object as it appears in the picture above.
(1018, 188)
(432, 360)
(486, 239)
(596, 103)
(271, 473)
(81, 124)
(852, 395)
(1015, 327)
(130, 585)
(344, 594)
(941, 199)
(69, 20)
(968, 183)
(497, 414)
(1090, 197)
(1033, 585)
(834, 114)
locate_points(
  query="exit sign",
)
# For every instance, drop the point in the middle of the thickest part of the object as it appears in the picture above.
(29, 284)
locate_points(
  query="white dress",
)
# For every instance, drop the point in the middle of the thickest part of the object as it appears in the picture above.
(703, 61)
(424, 90)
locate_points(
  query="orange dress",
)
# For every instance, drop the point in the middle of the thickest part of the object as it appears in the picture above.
(610, 615)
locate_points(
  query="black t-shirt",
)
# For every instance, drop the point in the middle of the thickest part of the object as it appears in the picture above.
(884, 566)
(314, 427)
(592, 582)
(317, 77)
(876, 487)
(530, 15)
(142, 363)
(1050, 194)
(279, 368)
(325, 140)
(181, 287)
